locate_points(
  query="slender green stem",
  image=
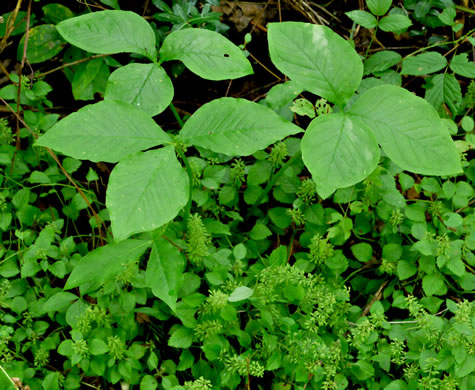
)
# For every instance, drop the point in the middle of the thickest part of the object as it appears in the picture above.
(464, 9)
(177, 116)
(371, 41)
(274, 180)
(189, 172)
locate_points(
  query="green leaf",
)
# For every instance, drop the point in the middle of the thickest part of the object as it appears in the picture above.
(97, 347)
(56, 13)
(405, 269)
(433, 284)
(260, 232)
(44, 43)
(379, 7)
(235, 127)
(462, 66)
(381, 61)
(240, 294)
(339, 151)
(145, 191)
(363, 18)
(409, 130)
(104, 263)
(148, 382)
(362, 251)
(206, 53)
(110, 32)
(181, 338)
(363, 370)
(318, 59)
(395, 23)
(59, 301)
(105, 131)
(147, 87)
(164, 273)
(303, 107)
(444, 88)
(425, 63)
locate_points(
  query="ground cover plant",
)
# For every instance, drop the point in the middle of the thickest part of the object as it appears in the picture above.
(320, 235)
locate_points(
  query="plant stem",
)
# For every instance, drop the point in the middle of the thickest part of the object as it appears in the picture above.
(177, 116)
(273, 181)
(189, 172)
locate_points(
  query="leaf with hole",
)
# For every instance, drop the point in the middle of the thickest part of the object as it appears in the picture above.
(206, 53)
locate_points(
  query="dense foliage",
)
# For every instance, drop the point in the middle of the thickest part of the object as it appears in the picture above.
(318, 236)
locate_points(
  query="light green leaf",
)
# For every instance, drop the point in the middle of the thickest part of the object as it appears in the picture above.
(145, 191)
(235, 127)
(433, 284)
(362, 251)
(409, 130)
(379, 7)
(260, 232)
(59, 301)
(303, 107)
(164, 274)
(318, 59)
(206, 53)
(425, 63)
(405, 269)
(363, 18)
(97, 347)
(105, 131)
(110, 32)
(181, 338)
(147, 87)
(240, 294)
(339, 151)
(381, 61)
(148, 382)
(44, 43)
(444, 88)
(104, 263)
(281, 95)
(462, 66)
(394, 23)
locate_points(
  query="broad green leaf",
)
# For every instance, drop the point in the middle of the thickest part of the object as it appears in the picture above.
(339, 151)
(145, 191)
(148, 382)
(381, 61)
(19, 24)
(105, 131)
(362, 251)
(56, 13)
(444, 88)
(44, 43)
(104, 263)
(164, 274)
(240, 294)
(147, 87)
(462, 66)
(433, 284)
(363, 18)
(394, 23)
(235, 127)
(281, 95)
(378, 7)
(84, 77)
(59, 301)
(405, 269)
(409, 130)
(97, 347)
(423, 64)
(110, 32)
(206, 53)
(318, 59)
(181, 338)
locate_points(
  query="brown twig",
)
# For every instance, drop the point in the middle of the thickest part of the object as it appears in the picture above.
(10, 26)
(375, 298)
(71, 64)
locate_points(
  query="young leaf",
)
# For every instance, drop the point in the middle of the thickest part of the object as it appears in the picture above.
(444, 88)
(394, 23)
(105, 131)
(381, 61)
(147, 87)
(110, 32)
(363, 18)
(409, 130)
(104, 263)
(146, 190)
(339, 151)
(378, 7)
(462, 66)
(206, 53)
(164, 274)
(319, 60)
(240, 294)
(423, 64)
(235, 127)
